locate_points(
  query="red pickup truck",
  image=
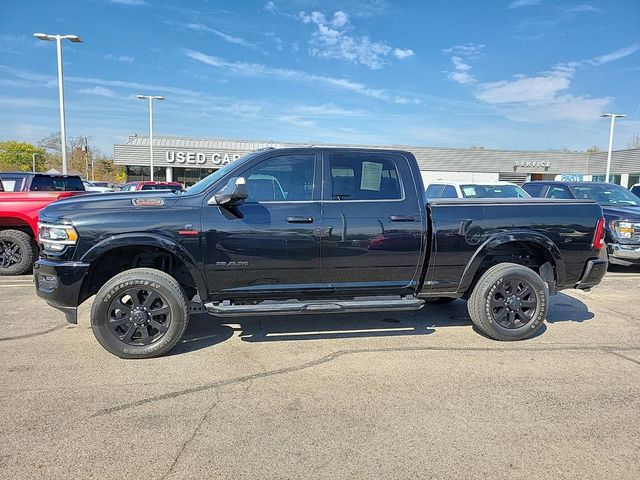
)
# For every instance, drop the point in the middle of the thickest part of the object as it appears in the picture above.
(19, 227)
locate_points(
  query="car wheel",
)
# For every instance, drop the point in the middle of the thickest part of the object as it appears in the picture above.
(439, 300)
(509, 302)
(17, 252)
(140, 313)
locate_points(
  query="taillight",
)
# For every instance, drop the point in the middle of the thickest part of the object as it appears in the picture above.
(598, 236)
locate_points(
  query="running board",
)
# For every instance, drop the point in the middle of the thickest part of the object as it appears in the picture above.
(326, 306)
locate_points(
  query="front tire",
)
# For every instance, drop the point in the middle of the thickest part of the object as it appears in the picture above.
(509, 302)
(17, 252)
(140, 313)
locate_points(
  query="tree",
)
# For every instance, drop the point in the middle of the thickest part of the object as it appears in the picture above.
(635, 141)
(593, 149)
(18, 156)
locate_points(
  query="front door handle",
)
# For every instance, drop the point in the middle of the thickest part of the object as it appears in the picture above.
(299, 219)
(402, 218)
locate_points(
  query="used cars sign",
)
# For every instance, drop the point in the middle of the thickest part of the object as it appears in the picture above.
(200, 158)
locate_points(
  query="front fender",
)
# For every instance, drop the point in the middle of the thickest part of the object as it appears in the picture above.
(493, 242)
(149, 240)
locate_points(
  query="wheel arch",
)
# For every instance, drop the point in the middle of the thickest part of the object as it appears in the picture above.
(551, 270)
(139, 242)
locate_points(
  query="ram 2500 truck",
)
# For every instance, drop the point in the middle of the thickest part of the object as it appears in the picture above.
(309, 230)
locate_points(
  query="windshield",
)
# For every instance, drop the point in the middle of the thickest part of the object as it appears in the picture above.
(607, 195)
(493, 191)
(209, 180)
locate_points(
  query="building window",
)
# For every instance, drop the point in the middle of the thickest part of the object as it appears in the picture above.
(137, 173)
(617, 179)
(634, 178)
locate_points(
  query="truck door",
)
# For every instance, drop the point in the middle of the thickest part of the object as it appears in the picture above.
(373, 224)
(267, 244)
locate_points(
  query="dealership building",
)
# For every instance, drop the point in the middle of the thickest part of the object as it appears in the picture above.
(187, 160)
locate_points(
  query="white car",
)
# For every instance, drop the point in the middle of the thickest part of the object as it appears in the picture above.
(496, 189)
(91, 187)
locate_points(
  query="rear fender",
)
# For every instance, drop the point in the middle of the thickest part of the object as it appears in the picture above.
(534, 238)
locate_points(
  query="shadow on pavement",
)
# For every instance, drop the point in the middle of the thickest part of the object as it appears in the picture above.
(205, 330)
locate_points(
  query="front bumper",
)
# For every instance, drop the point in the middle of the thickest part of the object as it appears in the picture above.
(593, 273)
(625, 253)
(59, 284)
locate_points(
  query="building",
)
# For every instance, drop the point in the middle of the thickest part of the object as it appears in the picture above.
(187, 160)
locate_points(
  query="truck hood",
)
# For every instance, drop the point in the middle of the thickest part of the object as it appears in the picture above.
(69, 208)
(626, 213)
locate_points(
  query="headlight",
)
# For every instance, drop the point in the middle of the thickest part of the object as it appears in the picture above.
(56, 237)
(622, 229)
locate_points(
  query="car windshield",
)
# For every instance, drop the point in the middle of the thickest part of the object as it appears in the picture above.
(607, 195)
(209, 180)
(493, 191)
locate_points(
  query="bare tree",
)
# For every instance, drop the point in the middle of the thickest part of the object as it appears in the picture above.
(635, 141)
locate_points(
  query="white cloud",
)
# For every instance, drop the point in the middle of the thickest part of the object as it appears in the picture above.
(269, 6)
(121, 58)
(297, 121)
(331, 40)
(461, 69)
(326, 110)
(100, 91)
(618, 54)
(258, 69)
(199, 27)
(469, 50)
(523, 3)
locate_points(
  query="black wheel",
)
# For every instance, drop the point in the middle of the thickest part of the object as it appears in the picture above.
(140, 313)
(440, 300)
(509, 302)
(17, 252)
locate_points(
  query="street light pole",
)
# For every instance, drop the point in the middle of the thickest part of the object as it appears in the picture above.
(613, 117)
(33, 162)
(63, 130)
(151, 98)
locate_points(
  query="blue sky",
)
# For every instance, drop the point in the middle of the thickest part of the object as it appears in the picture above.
(520, 74)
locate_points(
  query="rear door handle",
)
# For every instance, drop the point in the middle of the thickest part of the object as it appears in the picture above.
(402, 218)
(299, 219)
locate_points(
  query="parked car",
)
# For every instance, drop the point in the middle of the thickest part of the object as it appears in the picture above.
(40, 182)
(19, 228)
(139, 185)
(338, 230)
(635, 189)
(474, 190)
(95, 187)
(621, 209)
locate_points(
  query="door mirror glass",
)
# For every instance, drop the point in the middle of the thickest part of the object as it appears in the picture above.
(234, 192)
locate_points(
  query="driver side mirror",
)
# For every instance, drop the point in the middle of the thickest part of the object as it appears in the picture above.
(234, 192)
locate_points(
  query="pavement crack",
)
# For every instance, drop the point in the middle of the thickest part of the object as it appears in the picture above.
(185, 444)
(621, 355)
(329, 358)
(31, 335)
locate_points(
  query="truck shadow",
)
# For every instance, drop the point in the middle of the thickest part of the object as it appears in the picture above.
(205, 330)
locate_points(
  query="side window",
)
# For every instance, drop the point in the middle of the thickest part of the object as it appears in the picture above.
(74, 184)
(449, 192)
(47, 184)
(285, 178)
(558, 191)
(534, 189)
(364, 177)
(434, 191)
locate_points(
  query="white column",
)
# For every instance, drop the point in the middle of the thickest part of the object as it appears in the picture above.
(63, 128)
(613, 122)
(169, 174)
(624, 180)
(151, 136)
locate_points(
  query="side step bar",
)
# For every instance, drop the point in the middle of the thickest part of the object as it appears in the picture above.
(318, 306)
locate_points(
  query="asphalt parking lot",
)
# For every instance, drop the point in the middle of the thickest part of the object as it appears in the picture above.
(418, 395)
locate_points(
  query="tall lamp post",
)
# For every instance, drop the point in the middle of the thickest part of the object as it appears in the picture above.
(613, 117)
(151, 98)
(63, 132)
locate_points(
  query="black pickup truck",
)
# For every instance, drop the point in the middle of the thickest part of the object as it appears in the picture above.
(309, 230)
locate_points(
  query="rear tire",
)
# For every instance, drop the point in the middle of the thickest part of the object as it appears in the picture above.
(509, 302)
(140, 313)
(17, 252)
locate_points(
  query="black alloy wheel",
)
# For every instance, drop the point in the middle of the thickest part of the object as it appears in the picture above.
(139, 316)
(509, 302)
(10, 253)
(140, 313)
(513, 303)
